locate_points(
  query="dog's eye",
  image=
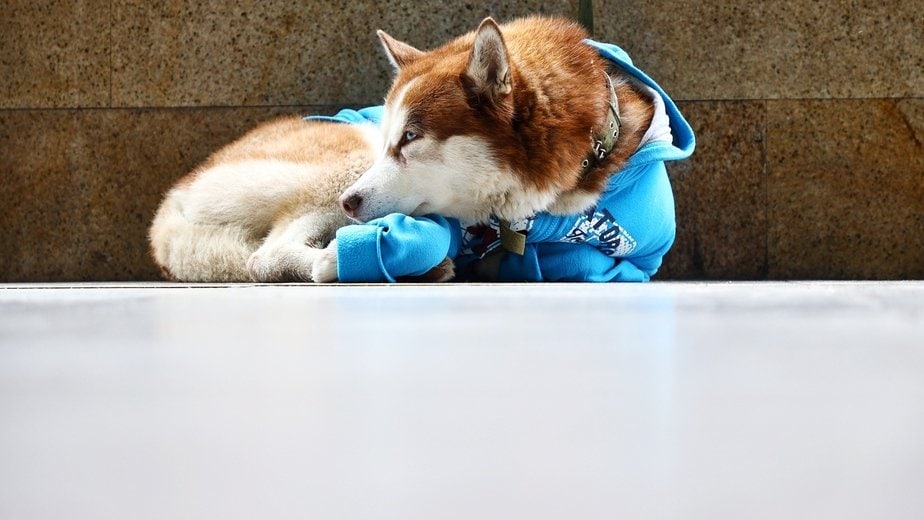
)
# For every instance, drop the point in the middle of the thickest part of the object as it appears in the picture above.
(409, 136)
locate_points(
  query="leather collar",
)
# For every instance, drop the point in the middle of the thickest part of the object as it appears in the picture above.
(604, 142)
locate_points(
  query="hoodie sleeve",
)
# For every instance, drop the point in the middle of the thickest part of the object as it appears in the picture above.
(368, 115)
(396, 245)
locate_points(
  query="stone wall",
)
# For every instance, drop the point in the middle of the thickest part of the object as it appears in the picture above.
(809, 119)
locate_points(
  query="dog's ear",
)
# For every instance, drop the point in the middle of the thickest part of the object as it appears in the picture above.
(487, 75)
(399, 53)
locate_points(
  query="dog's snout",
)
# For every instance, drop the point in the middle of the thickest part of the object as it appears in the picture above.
(350, 202)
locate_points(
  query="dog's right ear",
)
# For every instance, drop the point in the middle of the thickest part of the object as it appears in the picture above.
(487, 75)
(399, 53)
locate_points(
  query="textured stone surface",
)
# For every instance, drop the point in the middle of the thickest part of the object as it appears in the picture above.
(805, 189)
(846, 189)
(758, 50)
(720, 195)
(54, 54)
(80, 187)
(277, 52)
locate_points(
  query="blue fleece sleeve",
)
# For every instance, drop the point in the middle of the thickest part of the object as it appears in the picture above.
(396, 245)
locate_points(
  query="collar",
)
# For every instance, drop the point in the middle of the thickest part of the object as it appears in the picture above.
(605, 141)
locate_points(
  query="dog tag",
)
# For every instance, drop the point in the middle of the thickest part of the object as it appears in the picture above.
(512, 241)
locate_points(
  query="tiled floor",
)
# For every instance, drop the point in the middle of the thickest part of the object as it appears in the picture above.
(687, 401)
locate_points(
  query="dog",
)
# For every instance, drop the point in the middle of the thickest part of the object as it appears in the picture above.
(493, 138)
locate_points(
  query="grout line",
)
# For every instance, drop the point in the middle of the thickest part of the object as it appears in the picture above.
(110, 53)
(329, 107)
(336, 106)
(766, 174)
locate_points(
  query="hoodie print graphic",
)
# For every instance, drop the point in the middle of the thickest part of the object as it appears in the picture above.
(480, 239)
(599, 229)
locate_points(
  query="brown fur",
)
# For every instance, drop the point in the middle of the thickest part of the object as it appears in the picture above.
(544, 128)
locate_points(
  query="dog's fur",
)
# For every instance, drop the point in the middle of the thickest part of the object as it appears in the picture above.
(494, 123)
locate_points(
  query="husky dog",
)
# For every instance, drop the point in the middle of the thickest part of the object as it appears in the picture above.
(500, 125)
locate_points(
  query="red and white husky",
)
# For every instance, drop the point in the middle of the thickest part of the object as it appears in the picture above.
(497, 122)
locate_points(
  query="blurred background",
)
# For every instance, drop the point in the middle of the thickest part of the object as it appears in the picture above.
(809, 119)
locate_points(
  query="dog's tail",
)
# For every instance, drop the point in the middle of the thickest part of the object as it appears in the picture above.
(190, 251)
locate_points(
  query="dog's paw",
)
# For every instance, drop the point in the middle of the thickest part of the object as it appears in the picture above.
(443, 272)
(324, 267)
(258, 268)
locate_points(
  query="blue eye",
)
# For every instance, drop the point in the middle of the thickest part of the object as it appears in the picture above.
(409, 136)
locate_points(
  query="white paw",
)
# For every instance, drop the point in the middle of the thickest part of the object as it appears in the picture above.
(257, 268)
(324, 267)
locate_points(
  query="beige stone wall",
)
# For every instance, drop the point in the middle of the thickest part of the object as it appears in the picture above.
(809, 119)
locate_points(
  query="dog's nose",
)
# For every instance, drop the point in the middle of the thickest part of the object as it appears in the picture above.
(351, 203)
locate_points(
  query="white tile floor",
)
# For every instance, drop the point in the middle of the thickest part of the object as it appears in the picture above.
(687, 401)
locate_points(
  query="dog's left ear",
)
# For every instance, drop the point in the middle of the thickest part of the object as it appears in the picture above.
(399, 53)
(487, 75)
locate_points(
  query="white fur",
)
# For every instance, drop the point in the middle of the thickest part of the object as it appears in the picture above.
(395, 119)
(372, 135)
(573, 202)
(324, 268)
(245, 192)
(455, 178)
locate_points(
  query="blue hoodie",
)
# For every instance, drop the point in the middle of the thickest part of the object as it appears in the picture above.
(623, 238)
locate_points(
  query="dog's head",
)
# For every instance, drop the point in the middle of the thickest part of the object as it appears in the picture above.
(450, 136)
